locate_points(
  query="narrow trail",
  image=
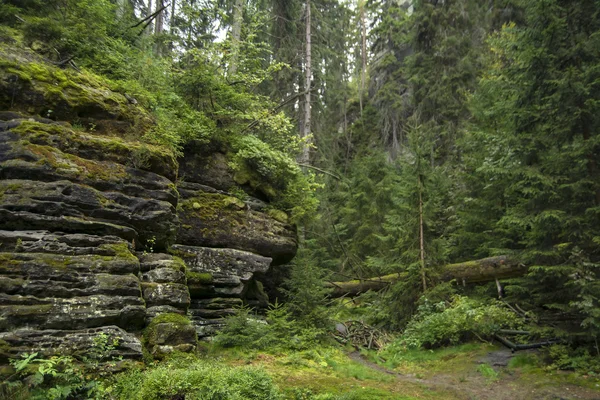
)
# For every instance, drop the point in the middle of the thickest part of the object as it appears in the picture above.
(432, 384)
(475, 387)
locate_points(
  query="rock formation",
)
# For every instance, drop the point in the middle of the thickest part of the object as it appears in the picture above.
(98, 235)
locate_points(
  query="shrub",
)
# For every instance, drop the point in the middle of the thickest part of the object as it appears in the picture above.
(450, 323)
(197, 380)
(279, 331)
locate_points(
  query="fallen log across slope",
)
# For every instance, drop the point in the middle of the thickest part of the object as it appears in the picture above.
(476, 271)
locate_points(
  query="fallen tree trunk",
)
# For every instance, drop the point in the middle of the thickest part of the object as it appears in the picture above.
(477, 271)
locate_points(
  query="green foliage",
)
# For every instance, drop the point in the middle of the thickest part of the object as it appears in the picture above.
(241, 330)
(532, 159)
(279, 176)
(566, 358)
(306, 293)
(437, 324)
(65, 377)
(196, 379)
(277, 332)
(488, 372)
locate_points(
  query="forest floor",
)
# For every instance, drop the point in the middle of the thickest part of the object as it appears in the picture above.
(471, 371)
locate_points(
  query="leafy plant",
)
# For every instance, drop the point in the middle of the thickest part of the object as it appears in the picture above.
(450, 323)
(65, 377)
(489, 373)
(200, 380)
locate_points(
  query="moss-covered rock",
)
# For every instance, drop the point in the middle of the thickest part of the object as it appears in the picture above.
(219, 272)
(59, 342)
(90, 146)
(17, 311)
(43, 187)
(168, 333)
(218, 220)
(170, 294)
(151, 261)
(67, 282)
(29, 85)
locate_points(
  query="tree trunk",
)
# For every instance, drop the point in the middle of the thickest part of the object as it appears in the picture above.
(305, 134)
(149, 28)
(421, 235)
(159, 26)
(477, 271)
(236, 33)
(363, 70)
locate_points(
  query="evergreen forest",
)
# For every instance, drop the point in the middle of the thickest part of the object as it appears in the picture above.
(433, 164)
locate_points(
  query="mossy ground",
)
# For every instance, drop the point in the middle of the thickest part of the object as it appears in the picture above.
(450, 373)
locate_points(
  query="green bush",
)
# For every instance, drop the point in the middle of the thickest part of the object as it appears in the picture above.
(579, 359)
(241, 330)
(278, 331)
(450, 323)
(197, 380)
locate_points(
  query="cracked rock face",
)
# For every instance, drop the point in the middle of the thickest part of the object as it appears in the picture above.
(57, 291)
(223, 221)
(218, 280)
(59, 341)
(87, 220)
(70, 188)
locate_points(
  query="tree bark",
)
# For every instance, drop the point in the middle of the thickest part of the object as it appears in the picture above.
(159, 26)
(305, 134)
(477, 271)
(236, 33)
(421, 235)
(149, 28)
(363, 70)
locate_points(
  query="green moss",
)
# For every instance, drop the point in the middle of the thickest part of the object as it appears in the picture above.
(104, 148)
(85, 169)
(79, 90)
(4, 346)
(56, 261)
(177, 321)
(120, 250)
(24, 76)
(181, 255)
(8, 284)
(23, 310)
(172, 318)
(209, 206)
(202, 278)
(39, 72)
(245, 176)
(278, 215)
(178, 264)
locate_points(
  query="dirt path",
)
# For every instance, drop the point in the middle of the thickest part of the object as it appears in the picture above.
(474, 386)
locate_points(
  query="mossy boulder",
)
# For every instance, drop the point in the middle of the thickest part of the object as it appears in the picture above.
(68, 281)
(217, 307)
(66, 244)
(168, 333)
(164, 275)
(91, 146)
(151, 261)
(17, 312)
